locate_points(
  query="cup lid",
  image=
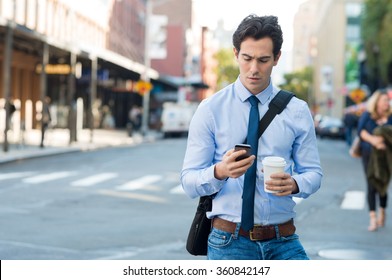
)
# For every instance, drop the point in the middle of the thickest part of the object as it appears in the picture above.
(274, 161)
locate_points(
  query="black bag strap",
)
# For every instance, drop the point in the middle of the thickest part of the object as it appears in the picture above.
(276, 106)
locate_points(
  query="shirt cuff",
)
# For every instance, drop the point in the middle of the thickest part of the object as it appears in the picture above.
(298, 181)
(214, 184)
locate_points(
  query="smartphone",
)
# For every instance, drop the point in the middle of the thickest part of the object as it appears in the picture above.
(243, 147)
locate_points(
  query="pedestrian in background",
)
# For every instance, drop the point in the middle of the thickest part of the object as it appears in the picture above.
(350, 121)
(220, 122)
(378, 114)
(135, 117)
(46, 118)
(108, 121)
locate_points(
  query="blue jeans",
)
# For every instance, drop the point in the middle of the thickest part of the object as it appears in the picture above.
(232, 246)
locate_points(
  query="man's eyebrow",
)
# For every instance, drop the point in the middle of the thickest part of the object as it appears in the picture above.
(261, 57)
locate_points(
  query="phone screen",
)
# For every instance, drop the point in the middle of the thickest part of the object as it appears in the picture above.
(243, 147)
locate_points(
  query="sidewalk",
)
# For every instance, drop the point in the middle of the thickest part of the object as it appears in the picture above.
(57, 142)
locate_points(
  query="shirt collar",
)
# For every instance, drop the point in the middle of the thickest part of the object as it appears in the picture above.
(244, 94)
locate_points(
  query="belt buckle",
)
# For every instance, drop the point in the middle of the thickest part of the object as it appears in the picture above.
(251, 235)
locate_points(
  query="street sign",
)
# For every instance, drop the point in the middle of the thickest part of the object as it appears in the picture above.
(142, 87)
(357, 95)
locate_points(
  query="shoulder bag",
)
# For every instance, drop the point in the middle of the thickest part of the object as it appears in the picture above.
(355, 149)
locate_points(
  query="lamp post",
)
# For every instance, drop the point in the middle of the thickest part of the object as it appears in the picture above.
(7, 61)
(147, 73)
(376, 81)
(147, 63)
(6, 80)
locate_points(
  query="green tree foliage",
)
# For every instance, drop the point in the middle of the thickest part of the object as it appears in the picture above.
(227, 69)
(299, 83)
(376, 28)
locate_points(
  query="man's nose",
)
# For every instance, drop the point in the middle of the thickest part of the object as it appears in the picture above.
(254, 67)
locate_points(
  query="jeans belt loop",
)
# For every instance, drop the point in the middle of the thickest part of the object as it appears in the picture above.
(237, 230)
(277, 233)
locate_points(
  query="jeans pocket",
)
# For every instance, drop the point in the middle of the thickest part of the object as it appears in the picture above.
(290, 248)
(219, 238)
(288, 238)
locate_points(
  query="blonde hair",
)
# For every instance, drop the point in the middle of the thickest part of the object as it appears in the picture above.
(372, 104)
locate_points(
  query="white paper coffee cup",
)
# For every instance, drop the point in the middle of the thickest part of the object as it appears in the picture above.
(272, 165)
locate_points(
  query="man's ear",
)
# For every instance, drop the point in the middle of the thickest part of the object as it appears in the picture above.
(235, 52)
(277, 58)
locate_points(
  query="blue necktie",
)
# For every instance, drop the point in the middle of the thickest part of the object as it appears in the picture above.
(248, 195)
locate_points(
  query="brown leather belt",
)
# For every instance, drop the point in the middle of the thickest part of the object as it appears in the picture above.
(259, 232)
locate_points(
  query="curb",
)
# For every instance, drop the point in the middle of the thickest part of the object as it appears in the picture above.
(34, 151)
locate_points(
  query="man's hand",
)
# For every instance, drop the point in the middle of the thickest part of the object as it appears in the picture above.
(283, 184)
(229, 167)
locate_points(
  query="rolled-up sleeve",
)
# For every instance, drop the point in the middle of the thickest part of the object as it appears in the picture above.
(307, 168)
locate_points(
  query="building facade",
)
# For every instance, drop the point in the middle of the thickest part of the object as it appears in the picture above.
(322, 41)
(90, 50)
(179, 22)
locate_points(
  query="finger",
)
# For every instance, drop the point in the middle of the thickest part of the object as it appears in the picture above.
(277, 189)
(241, 166)
(245, 163)
(282, 193)
(245, 160)
(238, 153)
(278, 176)
(238, 171)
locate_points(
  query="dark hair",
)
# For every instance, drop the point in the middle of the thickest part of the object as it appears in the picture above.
(259, 27)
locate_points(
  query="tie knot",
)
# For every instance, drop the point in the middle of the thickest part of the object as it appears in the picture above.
(253, 100)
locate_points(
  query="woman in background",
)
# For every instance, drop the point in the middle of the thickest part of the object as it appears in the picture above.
(378, 114)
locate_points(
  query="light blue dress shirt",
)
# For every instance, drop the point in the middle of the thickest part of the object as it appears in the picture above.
(221, 122)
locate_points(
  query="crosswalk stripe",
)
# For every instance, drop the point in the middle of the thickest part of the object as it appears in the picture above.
(177, 190)
(14, 175)
(92, 180)
(353, 200)
(47, 177)
(133, 195)
(140, 182)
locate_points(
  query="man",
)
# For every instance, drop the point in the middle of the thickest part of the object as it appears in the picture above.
(135, 117)
(210, 165)
(46, 118)
(350, 121)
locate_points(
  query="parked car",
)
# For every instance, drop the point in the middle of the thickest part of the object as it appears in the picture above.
(330, 127)
(176, 117)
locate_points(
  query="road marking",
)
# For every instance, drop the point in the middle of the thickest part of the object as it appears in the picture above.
(128, 252)
(48, 177)
(9, 210)
(50, 249)
(14, 175)
(139, 183)
(353, 200)
(138, 196)
(177, 190)
(93, 180)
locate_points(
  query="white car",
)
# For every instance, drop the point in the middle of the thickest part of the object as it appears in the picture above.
(176, 117)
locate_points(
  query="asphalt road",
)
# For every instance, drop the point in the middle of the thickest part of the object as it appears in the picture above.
(126, 203)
